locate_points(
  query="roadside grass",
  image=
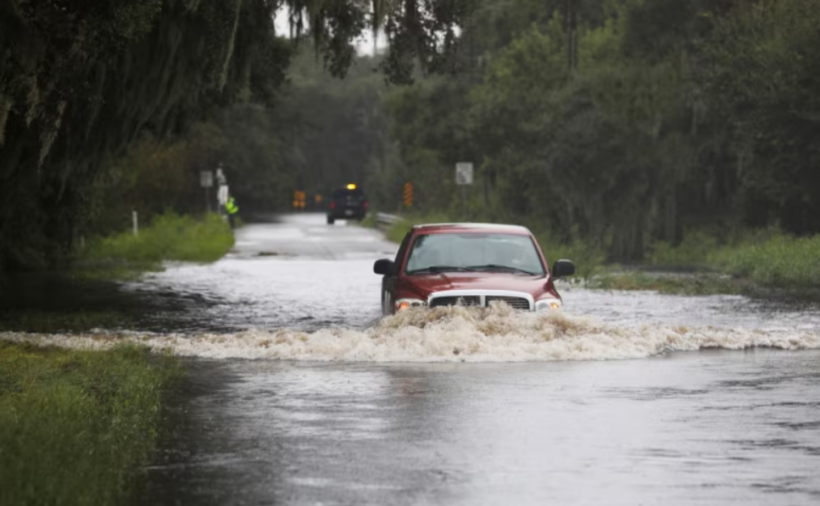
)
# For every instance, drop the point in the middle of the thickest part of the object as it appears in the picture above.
(669, 283)
(747, 262)
(693, 253)
(755, 260)
(588, 258)
(779, 261)
(169, 237)
(369, 221)
(764, 263)
(75, 426)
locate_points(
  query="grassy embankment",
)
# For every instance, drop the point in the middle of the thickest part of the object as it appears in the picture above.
(751, 263)
(756, 263)
(169, 237)
(75, 426)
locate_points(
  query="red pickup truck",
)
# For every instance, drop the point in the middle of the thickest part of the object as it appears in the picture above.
(471, 264)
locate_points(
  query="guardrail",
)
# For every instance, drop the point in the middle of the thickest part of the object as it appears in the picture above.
(385, 220)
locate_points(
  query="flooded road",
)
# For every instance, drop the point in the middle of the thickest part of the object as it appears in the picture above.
(297, 273)
(300, 394)
(713, 427)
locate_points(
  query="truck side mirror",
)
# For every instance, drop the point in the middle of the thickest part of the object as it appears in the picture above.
(562, 268)
(384, 267)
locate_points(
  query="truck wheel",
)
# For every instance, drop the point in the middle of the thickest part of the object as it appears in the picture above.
(330, 220)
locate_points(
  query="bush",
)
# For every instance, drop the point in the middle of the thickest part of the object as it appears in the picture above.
(169, 237)
(692, 252)
(779, 261)
(587, 257)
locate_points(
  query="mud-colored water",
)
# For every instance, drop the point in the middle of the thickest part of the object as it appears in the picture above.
(497, 334)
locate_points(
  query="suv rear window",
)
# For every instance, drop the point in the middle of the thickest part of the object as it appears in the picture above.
(343, 193)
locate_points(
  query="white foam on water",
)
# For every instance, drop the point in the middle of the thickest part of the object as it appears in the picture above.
(450, 334)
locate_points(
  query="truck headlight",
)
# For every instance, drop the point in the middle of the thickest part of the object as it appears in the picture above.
(403, 304)
(548, 304)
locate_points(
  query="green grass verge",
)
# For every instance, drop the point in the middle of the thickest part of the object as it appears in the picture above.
(778, 261)
(169, 237)
(763, 259)
(369, 221)
(588, 258)
(670, 283)
(75, 426)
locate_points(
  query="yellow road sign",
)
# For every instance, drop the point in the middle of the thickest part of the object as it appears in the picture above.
(408, 194)
(299, 200)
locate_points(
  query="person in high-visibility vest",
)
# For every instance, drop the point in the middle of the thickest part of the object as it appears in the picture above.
(231, 209)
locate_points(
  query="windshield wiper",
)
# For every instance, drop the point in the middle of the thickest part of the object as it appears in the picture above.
(435, 269)
(496, 267)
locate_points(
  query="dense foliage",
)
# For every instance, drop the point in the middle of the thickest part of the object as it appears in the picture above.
(170, 237)
(651, 118)
(82, 81)
(613, 123)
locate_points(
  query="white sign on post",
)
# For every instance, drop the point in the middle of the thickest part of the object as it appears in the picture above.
(464, 173)
(206, 179)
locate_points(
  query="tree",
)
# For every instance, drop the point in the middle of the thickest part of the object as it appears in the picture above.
(80, 81)
(762, 75)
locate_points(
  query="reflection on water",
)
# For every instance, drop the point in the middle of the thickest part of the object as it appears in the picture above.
(35, 299)
(675, 429)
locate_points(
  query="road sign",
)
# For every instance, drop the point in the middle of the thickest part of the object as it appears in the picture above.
(464, 173)
(408, 194)
(206, 178)
(299, 200)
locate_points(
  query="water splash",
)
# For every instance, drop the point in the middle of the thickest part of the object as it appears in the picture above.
(450, 334)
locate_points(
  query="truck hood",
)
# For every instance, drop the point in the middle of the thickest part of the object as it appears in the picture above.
(427, 284)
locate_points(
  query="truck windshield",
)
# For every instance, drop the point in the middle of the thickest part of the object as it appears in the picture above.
(474, 252)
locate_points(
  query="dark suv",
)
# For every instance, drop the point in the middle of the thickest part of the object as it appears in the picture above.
(347, 203)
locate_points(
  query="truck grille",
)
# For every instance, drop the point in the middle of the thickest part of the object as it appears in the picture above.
(513, 302)
(470, 300)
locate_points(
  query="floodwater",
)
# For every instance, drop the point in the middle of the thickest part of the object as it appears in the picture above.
(300, 394)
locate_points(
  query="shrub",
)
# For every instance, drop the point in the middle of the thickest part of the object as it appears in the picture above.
(169, 237)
